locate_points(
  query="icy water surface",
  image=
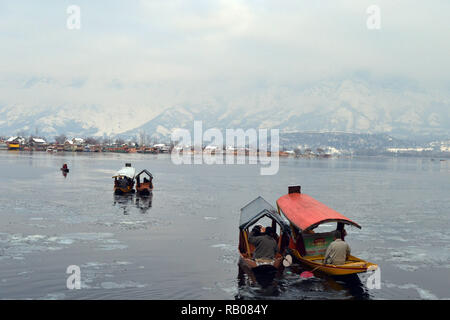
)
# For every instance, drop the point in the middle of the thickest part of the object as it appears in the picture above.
(182, 242)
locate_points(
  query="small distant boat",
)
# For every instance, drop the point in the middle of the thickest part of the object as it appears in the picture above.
(147, 150)
(304, 214)
(250, 214)
(65, 168)
(146, 186)
(124, 180)
(13, 146)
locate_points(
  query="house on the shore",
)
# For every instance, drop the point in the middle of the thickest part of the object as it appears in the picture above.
(68, 145)
(37, 144)
(76, 144)
(161, 148)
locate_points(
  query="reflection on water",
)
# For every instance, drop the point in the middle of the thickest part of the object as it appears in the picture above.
(126, 201)
(144, 202)
(289, 285)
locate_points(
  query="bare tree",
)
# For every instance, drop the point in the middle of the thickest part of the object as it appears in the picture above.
(142, 138)
(120, 141)
(60, 139)
(91, 140)
(21, 133)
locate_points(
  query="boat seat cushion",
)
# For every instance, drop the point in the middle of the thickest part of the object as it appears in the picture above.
(317, 243)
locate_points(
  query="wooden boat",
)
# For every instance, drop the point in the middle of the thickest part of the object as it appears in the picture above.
(147, 150)
(304, 214)
(250, 215)
(124, 180)
(146, 186)
(13, 146)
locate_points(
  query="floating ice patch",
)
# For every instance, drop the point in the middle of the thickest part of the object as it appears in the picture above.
(54, 296)
(396, 238)
(31, 238)
(109, 247)
(88, 236)
(407, 267)
(127, 284)
(41, 226)
(66, 241)
(423, 293)
(95, 265)
(223, 246)
(15, 246)
(133, 225)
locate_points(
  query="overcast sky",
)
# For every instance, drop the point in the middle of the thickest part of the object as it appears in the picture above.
(132, 51)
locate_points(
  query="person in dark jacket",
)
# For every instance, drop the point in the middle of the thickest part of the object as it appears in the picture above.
(265, 245)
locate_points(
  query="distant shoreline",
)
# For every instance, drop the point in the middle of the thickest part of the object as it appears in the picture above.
(433, 157)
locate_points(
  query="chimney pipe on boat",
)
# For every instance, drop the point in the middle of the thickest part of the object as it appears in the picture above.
(294, 189)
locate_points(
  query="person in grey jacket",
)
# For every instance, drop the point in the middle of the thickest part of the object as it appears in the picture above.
(265, 245)
(338, 251)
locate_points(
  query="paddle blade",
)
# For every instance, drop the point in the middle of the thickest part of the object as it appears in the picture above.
(287, 261)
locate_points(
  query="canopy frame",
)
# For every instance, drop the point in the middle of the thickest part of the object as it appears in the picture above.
(128, 172)
(146, 172)
(258, 209)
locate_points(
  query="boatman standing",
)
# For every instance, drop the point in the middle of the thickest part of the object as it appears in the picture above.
(265, 245)
(338, 251)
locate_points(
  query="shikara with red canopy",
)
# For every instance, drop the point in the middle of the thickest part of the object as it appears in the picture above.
(305, 214)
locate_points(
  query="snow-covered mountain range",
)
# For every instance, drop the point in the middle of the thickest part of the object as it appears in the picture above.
(354, 105)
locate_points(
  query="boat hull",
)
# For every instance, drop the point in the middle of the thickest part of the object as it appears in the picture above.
(264, 274)
(119, 190)
(352, 266)
(13, 146)
(261, 266)
(144, 189)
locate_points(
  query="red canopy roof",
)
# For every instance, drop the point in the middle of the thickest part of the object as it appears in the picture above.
(306, 212)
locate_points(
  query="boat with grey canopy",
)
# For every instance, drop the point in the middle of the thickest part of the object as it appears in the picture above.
(257, 210)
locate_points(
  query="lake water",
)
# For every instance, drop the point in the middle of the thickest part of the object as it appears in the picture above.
(182, 243)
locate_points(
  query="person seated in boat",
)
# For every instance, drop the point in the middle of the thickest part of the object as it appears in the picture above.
(272, 233)
(338, 251)
(257, 230)
(129, 181)
(343, 234)
(265, 245)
